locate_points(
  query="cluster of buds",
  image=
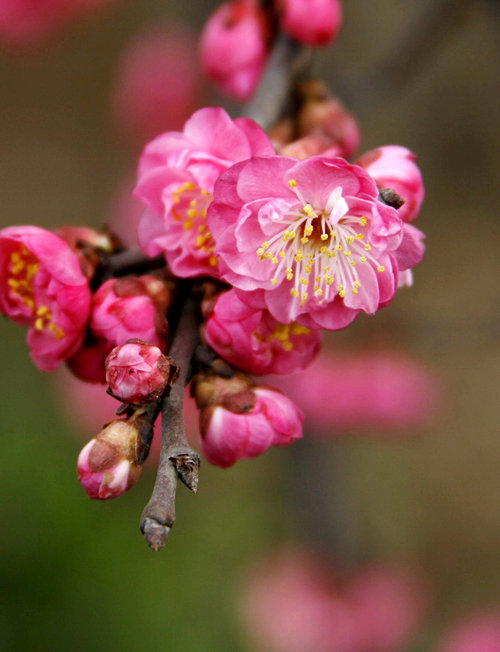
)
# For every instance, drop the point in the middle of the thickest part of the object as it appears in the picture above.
(238, 37)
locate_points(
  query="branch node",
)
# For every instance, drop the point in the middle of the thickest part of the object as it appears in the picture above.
(187, 465)
(155, 533)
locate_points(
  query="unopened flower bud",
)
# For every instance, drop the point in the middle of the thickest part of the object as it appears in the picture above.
(131, 307)
(313, 22)
(138, 372)
(241, 420)
(234, 47)
(107, 465)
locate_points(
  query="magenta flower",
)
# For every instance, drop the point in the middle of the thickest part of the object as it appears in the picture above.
(177, 173)
(479, 633)
(311, 237)
(247, 423)
(27, 23)
(128, 308)
(313, 22)
(42, 287)
(107, 465)
(251, 339)
(137, 372)
(235, 47)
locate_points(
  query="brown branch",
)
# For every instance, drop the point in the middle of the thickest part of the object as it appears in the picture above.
(132, 261)
(177, 458)
(285, 64)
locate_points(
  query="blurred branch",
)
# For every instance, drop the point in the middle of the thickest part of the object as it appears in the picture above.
(177, 458)
(287, 61)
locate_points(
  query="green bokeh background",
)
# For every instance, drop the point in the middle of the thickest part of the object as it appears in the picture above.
(77, 574)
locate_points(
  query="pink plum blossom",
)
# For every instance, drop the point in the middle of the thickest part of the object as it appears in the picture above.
(292, 603)
(107, 465)
(177, 173)
(43, 287)
(239, 420)
(254, 341)
(479, 633)
(157, 83)
(394, 167)
(27, 23)
(312, 22)
(308, 240)
(365, 389)
(126, 308)
(137, 372)
(235, 47)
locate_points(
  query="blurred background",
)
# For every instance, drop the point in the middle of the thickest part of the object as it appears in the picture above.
(425, 493)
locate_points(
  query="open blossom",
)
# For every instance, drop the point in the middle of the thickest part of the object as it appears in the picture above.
(177, 173)
(132, 307)
(251, 339)
(43, 287)
(313, 22)
(311, 237)
(235, 47)
(107, 465)
(138, 372)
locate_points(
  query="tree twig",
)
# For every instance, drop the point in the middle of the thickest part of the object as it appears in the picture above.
(286, 61)
(177, 458)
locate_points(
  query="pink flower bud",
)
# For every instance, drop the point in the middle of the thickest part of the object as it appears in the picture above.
(234, 47)
(479, 633)
(128, 308)
(313, 22)
(394, 167)
(254, 341)
(107, 465)
(242, 424)
(138, 372)
(43, 287)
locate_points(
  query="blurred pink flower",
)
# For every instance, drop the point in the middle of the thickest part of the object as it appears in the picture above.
(28, 23)
(292, 604)
(342, 391)
(43, 287)
(254, 341)
(234, 47)
(479, 633)
(157, 84)
(312, 22)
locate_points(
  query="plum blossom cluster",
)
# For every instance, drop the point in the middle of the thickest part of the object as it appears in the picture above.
(272, 248)
(252, 243)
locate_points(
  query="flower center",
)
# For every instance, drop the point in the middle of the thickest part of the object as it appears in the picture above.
(190, 207)
(318, 249)
(23, 267)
